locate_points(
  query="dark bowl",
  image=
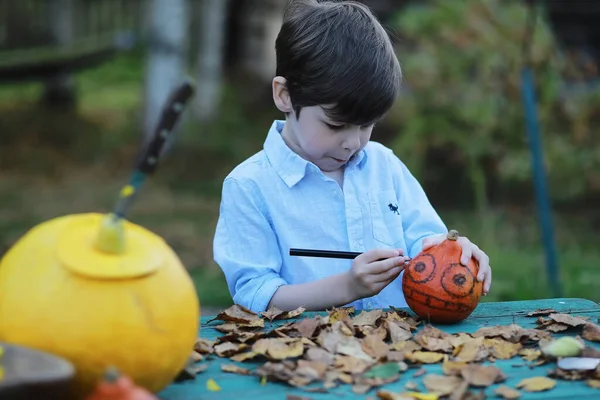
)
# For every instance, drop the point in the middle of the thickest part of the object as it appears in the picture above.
(33, 374)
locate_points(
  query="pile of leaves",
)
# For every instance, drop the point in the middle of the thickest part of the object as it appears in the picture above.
(374, 348)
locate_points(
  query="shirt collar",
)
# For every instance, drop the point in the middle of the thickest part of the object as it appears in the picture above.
(289, 165)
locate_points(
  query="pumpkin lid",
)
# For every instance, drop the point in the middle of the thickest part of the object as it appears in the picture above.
(77, 252)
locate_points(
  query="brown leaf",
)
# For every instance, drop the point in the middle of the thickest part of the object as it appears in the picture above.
(340, 314)
(319, 354)
(234, 369)
(407, 346)
(419, 372)
(350, 346)
(425, 357)
(204, 346)
(367, 318)
(557, 327)
(296, 397)
(195, 356)
(453, 367)
(434, 339)
(536, 384)
(591, 332)
(272, 313)
(473, 350)
(530, 354)
(440, 384)
(240, 314)
(278, 349)
(542, 311)
(501, 349)
(311, 369)
(351, 365)
(397, 333)
(482, 376)
(507, 393)
(241, 357)
(375, 347)
(307, 326)
(593, 383)
(227, 349)
(293, 314)
(567, 319)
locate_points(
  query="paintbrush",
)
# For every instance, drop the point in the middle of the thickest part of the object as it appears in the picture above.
(326, 253)
(111, 237)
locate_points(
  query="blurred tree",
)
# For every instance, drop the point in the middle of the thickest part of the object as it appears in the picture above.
(167, 56)
(210, 58)
(461, 64)
(59, 89)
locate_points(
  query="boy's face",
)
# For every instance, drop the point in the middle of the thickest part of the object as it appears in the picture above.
(326, 143)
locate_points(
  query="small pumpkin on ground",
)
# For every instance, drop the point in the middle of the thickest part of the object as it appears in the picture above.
(438, 288)
(116, 386)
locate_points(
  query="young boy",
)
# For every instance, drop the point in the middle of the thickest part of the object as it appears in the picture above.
(319, 182)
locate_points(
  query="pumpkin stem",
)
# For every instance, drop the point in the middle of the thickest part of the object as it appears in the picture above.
(111, 235)
(452, 234)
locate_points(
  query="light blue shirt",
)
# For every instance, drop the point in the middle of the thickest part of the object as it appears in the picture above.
(276, 200)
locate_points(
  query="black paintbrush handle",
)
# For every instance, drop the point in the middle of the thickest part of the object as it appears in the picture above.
(171, 113)
(324, 253)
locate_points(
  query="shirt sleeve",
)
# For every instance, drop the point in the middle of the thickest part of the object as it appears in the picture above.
(419, 218)
(245, 246)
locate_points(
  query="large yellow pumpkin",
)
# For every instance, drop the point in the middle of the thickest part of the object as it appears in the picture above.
(137, 311)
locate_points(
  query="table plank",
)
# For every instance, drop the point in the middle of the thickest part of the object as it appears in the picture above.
(486, 314)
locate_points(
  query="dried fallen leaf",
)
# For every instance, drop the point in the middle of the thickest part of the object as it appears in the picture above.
(240, 314)
(307, 326)
(507, 393)
(593, 383)
(501, 349)
(481, 375)
(473, 350)
(234, 369)
(440, 384)
(425, 357)
(591, 332)
(367, 317)
(453, 367)
(542, 311)
(529, 354)
(434, 339)
(569, 320)
(536, 384)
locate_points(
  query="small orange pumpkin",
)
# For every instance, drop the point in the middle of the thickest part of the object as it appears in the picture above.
(438, 288)
(116, 386)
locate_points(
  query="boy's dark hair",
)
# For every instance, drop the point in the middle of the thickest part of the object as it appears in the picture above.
(337, 53)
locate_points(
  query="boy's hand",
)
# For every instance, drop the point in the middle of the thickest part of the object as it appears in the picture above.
(374, 270)
(469, 250)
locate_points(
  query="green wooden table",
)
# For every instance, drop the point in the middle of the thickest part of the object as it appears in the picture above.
(234, 386)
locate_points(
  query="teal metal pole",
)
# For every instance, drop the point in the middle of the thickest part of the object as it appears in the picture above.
(537, 164)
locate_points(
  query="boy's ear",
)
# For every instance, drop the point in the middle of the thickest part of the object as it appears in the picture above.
(281, 96)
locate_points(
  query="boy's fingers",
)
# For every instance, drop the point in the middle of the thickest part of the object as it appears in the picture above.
(432, 241)
(379, 254)
(383, 266)
(389, 275)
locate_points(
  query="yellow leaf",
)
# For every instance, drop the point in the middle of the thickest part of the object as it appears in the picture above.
(593, 383)
(263, 381)
(426, 357)
(212, 385)
(536, 384)
(422, 396)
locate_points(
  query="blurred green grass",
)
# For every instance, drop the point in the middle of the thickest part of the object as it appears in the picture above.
(181, 202)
